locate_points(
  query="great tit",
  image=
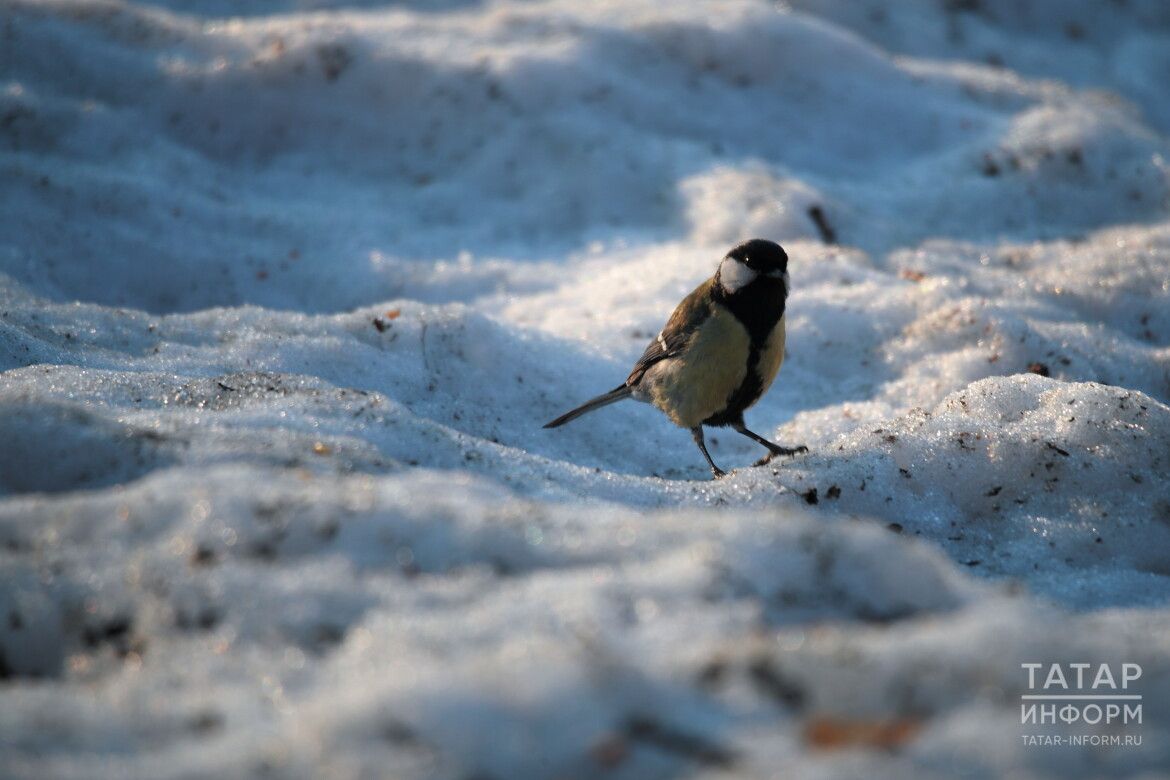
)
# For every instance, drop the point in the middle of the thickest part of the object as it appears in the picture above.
(719, 352)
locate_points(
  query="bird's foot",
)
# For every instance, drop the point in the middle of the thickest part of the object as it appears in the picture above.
(718, 473)
(776, 449)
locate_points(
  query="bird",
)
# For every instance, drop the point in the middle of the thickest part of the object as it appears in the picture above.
(718, 353)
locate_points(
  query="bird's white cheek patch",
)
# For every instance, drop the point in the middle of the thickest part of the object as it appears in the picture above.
(734, 275)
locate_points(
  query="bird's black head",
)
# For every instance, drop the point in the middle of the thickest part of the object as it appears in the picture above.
(760, 255)
(753, 263)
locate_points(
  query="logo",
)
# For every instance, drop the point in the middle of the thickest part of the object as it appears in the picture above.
(1098, 696)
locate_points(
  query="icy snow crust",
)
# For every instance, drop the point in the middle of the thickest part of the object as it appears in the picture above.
(285, 299)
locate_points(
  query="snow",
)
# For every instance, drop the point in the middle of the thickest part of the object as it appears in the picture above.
(287, 290)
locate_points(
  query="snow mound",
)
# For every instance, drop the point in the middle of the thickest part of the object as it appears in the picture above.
(1056, 483)
(386, 618)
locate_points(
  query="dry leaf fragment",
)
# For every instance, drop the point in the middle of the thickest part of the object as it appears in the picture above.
(827, 733)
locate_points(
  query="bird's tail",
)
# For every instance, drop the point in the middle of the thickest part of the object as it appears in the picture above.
(613, 396)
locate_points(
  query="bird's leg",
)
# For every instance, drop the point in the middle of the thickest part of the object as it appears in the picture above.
(697, 433)
(773, 449)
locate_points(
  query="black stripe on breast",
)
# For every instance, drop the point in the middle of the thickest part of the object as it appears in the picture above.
(759, 306)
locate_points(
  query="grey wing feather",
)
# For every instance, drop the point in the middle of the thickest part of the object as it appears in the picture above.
(674, 338)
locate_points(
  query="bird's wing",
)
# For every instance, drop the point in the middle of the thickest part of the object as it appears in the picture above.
(673, 338)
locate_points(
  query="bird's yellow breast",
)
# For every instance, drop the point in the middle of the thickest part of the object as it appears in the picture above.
(695, 386)
(698, 384)
(771, 357)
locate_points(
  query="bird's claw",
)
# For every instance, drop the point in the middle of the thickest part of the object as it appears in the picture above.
(778, 450)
